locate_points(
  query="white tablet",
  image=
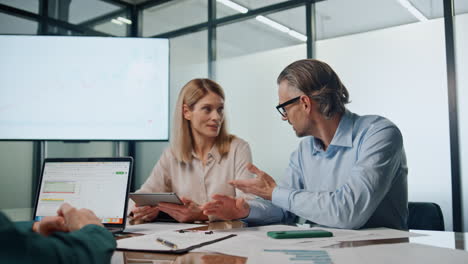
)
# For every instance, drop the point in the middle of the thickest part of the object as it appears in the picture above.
(152, 199)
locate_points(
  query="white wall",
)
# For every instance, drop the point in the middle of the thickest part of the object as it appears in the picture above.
(396, 72)
(251, 96)
(400, 73)
(16, 159)
(188, 56)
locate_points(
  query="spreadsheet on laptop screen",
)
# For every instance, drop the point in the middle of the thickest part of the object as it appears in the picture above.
(98, 186)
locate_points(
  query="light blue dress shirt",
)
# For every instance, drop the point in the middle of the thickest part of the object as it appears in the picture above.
(359, 181)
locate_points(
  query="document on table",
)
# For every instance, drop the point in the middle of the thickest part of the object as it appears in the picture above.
(382, 254)
(343, 235)
(290, 255)
(397, 253)
(255, 238)
(149, 228)
(243, 245)
(171, 241)
(261, 232)
(380, 233)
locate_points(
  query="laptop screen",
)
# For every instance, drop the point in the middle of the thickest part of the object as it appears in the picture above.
(98, 184)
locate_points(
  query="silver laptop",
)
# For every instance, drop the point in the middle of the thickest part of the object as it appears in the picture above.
(99, 184)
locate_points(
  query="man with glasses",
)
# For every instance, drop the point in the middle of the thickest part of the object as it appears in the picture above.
(349, 171)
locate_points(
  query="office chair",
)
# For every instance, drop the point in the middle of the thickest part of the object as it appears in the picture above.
(425, 216)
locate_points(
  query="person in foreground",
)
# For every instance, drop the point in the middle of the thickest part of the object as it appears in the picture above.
(74, 236)
(202, 158)
(348, 172)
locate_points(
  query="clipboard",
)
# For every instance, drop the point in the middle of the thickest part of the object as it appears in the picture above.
(185, 241)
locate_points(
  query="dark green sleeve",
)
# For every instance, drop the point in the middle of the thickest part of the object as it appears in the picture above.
(91, 244)
(24, 226)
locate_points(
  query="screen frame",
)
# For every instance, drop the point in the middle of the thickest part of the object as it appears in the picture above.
(87, 140)
(93, 159)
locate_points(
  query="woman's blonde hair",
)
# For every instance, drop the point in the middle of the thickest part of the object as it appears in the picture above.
(182, 139)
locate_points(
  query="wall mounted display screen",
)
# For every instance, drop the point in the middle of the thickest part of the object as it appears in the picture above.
(83, 88)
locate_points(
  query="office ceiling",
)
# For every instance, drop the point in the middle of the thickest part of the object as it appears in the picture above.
(334, 18)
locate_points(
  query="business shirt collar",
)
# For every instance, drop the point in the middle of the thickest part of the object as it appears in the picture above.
(343, 135)
(214, 153)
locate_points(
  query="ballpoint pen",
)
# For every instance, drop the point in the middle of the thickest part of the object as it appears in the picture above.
(166, 243)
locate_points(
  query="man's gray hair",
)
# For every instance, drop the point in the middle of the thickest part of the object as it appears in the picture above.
(317, 80)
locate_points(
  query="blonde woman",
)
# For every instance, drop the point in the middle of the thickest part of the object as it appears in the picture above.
(202, 158)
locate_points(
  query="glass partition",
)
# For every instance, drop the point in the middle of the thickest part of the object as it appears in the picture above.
(228, 7)
(393, 64)
(16, 157)
(461, 53)
(82, 11)
(250, 56)
(15, 25)
(174, 15)
(27, 5)
(119, 25)
(273, 31)
(188, 60)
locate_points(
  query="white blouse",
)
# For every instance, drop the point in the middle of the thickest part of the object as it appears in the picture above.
(197, 182)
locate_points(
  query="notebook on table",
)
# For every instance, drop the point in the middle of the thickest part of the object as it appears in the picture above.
(99, 184)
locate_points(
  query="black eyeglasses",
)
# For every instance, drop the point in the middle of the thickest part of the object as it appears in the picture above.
(281, 109)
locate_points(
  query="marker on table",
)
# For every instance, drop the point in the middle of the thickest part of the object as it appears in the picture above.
(166, 243)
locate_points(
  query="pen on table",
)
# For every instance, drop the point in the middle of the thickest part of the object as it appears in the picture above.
(166, 243)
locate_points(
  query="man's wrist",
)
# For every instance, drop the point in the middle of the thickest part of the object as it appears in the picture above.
(269, 196)
(246, 211)
(202, 217)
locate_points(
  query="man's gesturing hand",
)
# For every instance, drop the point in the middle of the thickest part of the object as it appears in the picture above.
(226, 208)
(262, 185)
